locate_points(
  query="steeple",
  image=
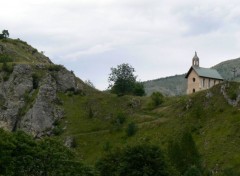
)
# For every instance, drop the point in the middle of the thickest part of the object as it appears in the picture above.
(195, 60)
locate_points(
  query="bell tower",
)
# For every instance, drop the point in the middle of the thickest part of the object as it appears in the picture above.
(195, 60)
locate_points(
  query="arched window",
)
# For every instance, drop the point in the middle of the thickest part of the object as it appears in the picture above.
(193, 90)
(193, 79)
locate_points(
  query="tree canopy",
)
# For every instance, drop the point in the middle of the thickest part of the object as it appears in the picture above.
(5, 34)
(21, 155)
(122, 81)
(139, 160)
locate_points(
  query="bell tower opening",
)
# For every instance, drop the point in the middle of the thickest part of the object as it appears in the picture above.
(195, 60)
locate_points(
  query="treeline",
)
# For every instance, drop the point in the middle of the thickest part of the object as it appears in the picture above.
(22, 155)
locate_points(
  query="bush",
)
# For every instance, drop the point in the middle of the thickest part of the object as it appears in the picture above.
(7, 67)
(120, 119)
(131, 129)
(72, 91)
(21, 155)
(192, 171)
(5, 58)
(157, 98)
(90, 113)
(57, 130)
(53, 67)
(35, 78)
(6, 77)
(140, 160)
(139, 89)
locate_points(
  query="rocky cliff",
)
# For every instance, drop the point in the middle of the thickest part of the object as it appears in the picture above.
(29, 90)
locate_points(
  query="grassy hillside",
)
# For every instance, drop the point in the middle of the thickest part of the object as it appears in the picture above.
(19, 51)
(98, 123)
(94, 122)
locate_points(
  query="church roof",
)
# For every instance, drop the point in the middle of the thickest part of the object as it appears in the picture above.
(205, 72)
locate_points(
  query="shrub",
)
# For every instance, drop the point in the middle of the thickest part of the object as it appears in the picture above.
(120, 119)
(138, 89)
(90, 113)
(57, 130)
(6, 77)
(35, 78)
(131, 129)
(7, 67)
(5, 58)
(139, 160)
(53, 67)
(157, 98)
(192, 171)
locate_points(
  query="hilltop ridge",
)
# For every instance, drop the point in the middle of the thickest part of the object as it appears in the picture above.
(177, 85)
(44, 99)
(29, 87)
(21, 52)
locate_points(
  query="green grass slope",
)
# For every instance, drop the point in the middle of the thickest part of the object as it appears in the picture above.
(20, 52)
(96, 124)
(100, 122)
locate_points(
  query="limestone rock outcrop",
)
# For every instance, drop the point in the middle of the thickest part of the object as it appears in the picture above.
(30, 103)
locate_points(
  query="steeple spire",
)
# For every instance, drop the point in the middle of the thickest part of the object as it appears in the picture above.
(195, 60)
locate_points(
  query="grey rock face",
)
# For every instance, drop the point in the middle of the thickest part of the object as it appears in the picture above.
(13, 90)
(28, 109)
(66, 80)
(234, 103)
(40, 117)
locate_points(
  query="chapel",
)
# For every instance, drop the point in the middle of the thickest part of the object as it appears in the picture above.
(199, 78)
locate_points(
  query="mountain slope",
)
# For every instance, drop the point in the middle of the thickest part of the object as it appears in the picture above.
(19, 51)
(170, 86)
(177, 85)
(207, 115)
(29, 84)
(226, 69)
(46, 99)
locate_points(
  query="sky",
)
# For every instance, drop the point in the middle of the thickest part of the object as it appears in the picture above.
(156, 37)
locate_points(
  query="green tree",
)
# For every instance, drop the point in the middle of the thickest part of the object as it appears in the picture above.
(122, 80)
(139, 89)
(21, 155)
(157, 98)
(5, 33)
(140, 160)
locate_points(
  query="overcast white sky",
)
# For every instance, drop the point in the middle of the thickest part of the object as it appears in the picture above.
(157, 37)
